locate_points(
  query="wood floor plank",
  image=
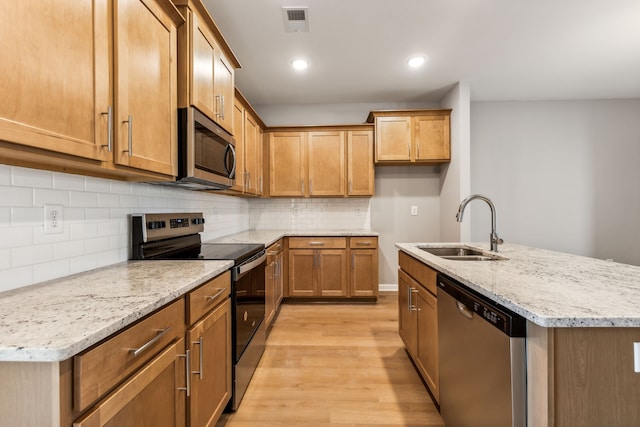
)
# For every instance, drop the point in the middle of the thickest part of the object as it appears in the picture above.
(335, 365)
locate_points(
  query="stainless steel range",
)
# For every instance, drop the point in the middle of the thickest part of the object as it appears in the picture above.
(177, 236)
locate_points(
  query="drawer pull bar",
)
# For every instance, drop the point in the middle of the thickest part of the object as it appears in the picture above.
(187, 368)
(316, 243)
(152, 341)
(363, 243)
(220, 291)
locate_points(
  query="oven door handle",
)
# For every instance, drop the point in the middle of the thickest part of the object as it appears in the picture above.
(243, 268)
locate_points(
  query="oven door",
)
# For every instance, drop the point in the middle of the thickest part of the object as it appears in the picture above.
(248, 301)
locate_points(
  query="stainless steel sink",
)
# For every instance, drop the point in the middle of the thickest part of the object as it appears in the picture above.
(461, 253)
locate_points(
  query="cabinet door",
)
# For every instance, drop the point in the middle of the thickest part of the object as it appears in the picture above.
(427, 357)
(270, 289)
(153, 396)
(302, 281)
(407, 316)
(331, 270)
(55, 76)
(287, 154)
(202, 64)
(431, 137)
(326, 163)
(146, 85)
(364, 273)
(252, 154)
(224, 95)
(360, 170)
(393, 138)
(210, 355)
(238, 134)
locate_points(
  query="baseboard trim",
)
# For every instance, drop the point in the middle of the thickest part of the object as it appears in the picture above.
(388, 287)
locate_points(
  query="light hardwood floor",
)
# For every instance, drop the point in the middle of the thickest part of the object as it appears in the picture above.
(335, 364)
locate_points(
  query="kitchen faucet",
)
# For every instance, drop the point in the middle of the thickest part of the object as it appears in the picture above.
(494, 239)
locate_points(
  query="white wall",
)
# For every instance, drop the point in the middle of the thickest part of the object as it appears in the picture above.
(455, 176)
(563, 175)
(397, 189)
(95, 221)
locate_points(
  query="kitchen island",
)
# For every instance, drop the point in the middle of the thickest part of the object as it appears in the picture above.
(583, 319)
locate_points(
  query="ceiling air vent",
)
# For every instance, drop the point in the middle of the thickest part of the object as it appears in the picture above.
(296, 19)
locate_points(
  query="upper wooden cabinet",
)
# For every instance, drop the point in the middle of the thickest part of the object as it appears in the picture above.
(322, 161)
(412, 136)
(114, 113)
(248, 133)
(207, 65)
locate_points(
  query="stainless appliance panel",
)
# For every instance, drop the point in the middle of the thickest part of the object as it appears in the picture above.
(482, 368)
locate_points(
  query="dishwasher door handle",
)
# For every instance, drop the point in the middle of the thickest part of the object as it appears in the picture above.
(464, 310)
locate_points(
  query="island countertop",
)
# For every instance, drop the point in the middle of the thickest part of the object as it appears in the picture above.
(550, 289)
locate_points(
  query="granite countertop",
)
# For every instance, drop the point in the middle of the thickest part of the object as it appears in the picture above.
(269, 237)
(550, 289)
(56, 320)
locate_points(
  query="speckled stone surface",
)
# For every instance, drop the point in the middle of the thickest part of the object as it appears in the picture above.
(269, 237)
(55, 320)
(548, 288)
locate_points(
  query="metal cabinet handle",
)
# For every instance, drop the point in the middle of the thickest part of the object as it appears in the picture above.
(316, 243)
(464, 310)
(409, 298)
(350, 187)
(302, 185)
(187, 368)
(409, 147)
(109, 114)
(200, 344)
(212, 298)
(130, 135)
(261, 189)
(217, 106)
(222, 106)
(353, 261)
(363, 243)
(310, 186)
(136, 351)
(417, 150)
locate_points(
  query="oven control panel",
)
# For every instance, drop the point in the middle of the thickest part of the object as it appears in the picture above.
(158, 226)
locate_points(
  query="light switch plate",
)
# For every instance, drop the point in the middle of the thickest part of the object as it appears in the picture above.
(414, 210)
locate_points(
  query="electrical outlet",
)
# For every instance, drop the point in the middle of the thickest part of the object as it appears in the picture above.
(53, 219)
(414, 210)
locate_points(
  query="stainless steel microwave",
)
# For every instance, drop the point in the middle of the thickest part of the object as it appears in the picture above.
(206, 152)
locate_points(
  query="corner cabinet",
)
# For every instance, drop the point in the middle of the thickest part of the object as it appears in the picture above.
(418, 318)
(332, 267)
(323, 161)
(412, 136)
(115, 114)
(206, 65)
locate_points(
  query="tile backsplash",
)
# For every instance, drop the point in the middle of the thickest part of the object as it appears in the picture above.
(95, 219)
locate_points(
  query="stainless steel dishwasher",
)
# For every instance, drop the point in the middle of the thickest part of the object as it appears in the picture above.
(482, 360)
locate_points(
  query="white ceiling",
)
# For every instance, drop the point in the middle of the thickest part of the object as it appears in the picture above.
(505, 49)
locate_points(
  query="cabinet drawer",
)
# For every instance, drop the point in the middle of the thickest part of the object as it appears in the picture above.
(99, 369)
(317, 242)
(201, 300)
(366, 242)
(422, 273)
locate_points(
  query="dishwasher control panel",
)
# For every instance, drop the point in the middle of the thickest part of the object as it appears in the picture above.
(473, 303)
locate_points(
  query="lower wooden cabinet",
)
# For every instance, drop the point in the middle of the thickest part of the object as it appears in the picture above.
(153, 396)
(273, 282)
(209, 343)
(418, 318)
(334, 267)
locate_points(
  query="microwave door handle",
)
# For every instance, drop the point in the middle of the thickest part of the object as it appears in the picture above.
(230, 151)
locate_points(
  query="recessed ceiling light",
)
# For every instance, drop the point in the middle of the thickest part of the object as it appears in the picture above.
(299, 64)
(416, 61)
